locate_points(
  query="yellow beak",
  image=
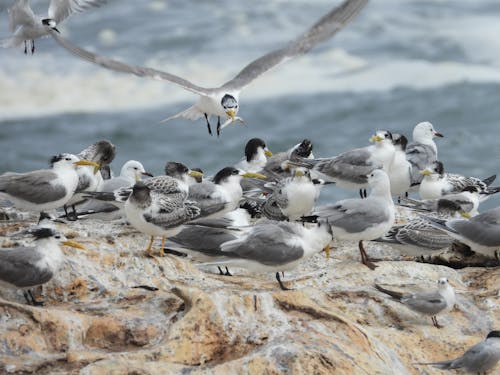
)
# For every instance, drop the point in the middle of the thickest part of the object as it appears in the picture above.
(73, 244)
(425, 172)
(96, 166)
(254, 175)
(465, 214)
(299, 173)
(268, 153)
(376, 138)
(231, 113)
(195, 174)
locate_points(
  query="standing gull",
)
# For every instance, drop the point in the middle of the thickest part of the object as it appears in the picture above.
(25, 267)
(478, 359)
(362, 219)
(422, 151)
(481, 233)
(427, 303)
(45, 189)
(223, 101)
(400, 168)
(27, 26)
(274, 246)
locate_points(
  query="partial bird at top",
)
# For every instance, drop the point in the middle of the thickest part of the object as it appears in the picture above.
(223, 101)
(26, 26)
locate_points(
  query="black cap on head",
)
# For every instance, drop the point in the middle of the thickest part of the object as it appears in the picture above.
(304, 149)
(493, 334)
(175, 169)
(400, 139)
(447, 205)
(225, 173)
(40, 233)
(252, 146)
(439, 167)
(54, 159)
(229, 102)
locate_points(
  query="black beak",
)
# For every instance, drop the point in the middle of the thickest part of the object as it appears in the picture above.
(436, 134)
(147, 174)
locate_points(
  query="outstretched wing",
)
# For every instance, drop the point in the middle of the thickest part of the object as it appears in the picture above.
(62, 9)
(321, 31)
(119, 66)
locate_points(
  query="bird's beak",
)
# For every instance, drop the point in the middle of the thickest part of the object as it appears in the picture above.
(376, 138)
(55, 29)
(74, 244)
(326, 249)
(299, 173)
(268, 153)
(436, 134)
(231, 113)
(195, 174)
(254, 175)
(425, 172)
(147, 174)
(465, 214)
(96, 166)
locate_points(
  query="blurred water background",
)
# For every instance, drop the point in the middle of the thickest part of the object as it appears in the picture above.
(400, 62)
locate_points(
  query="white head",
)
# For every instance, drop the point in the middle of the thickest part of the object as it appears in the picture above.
(134, 169)
(379, 182)
(443, 283)
(433, 172)
(69, 161)
(382, 138)
(424, 132)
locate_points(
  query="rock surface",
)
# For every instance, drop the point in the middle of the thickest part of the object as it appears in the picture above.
(333, 322)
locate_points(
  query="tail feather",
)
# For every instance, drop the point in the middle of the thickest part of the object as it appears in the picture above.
(489, 180)
(492, 190)
(438, 223)
(192, 113)
(392, 293)
(442, 365)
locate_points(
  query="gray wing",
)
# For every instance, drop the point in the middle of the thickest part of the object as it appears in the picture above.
(170, 213)
(265, 244)
(130, 69)
(354, 215)
(35, 187)
(271, 208)
(17, 267)
(62, 9)
(116, 183)
(206, 240)
(421, 233)
(202, 194)
(426, 303)
(483, 229)
(352, 166)
(420, 156)
(321, 31)
(474, 359)
(20, 14)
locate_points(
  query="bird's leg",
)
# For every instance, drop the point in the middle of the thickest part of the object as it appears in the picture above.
(227, 272)
(220, 271)
(218, 126)
(435, 322)
(32, 46)
(34, 301)
(326, 249)
(208, 124)
(280, 282)
(365, 194)
(361, 193)
(148, 250)
(71, 216)
(364, 257)
(25, 47)
(27, 297)
(163, 239)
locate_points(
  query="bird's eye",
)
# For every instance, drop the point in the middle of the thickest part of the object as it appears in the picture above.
(57, 237)
(236, 172)
(136, 168)
(68, 159)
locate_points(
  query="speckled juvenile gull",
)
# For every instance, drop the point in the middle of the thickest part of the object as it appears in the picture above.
(481, 233)
(274, 246)
(223, 101)
(478, 359)
(427, 303)
(27, 26)
(25, 267)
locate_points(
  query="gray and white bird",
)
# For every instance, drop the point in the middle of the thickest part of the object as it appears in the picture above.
(102, 152)
(362, 219)
(256, 154)
(399, 170)
(26, 26)
(481, 233)
(436, 183)
(183, 173)
(26, 267)
(351, 168)
(274, 246)
(277, 165)
(427, 303)
(478, 359)
(223, 101)
(422, 151)
(221, 195)
(45, 189)
(156, 213)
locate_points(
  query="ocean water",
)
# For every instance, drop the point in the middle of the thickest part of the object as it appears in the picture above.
(399, 63)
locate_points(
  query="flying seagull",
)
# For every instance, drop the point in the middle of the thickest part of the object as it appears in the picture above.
(223, 101)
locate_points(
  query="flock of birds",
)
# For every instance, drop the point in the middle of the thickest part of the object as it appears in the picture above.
(261, 213)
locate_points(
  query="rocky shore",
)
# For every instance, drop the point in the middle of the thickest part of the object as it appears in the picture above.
(96, 321)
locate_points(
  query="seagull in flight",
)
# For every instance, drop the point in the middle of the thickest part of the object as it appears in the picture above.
(223, 101)
(26, 26)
